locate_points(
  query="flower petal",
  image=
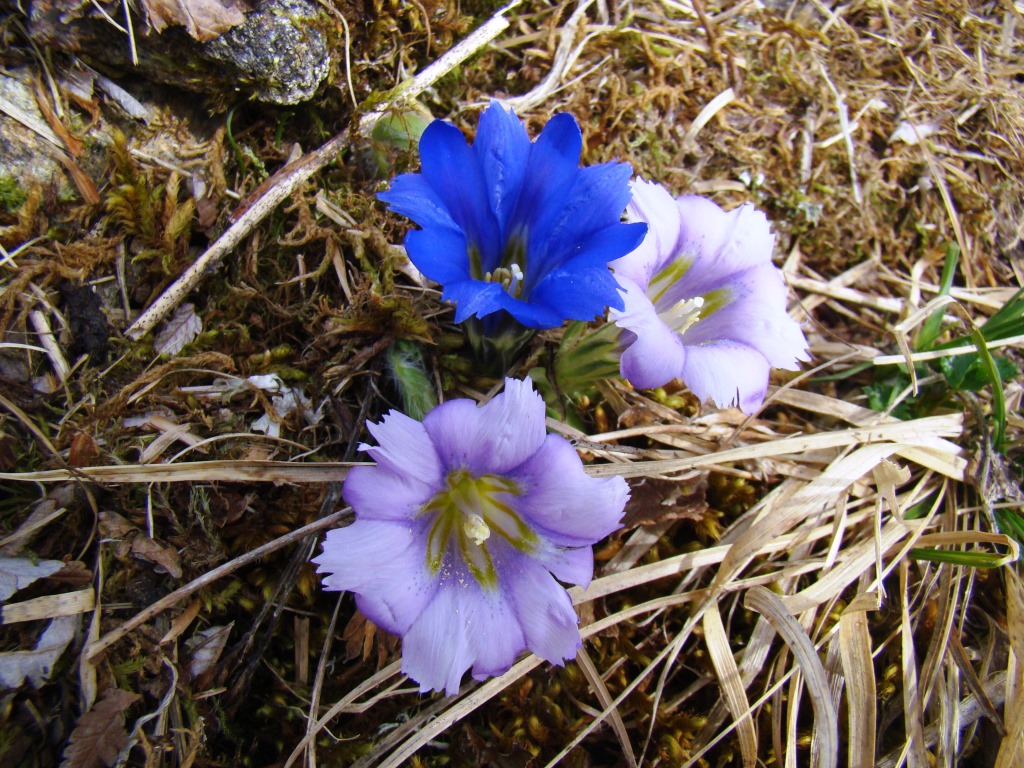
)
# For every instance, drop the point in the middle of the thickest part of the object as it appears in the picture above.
(384, 563)
(728, 373)
(463, 626)
(562, 502)
(654, 353)
(489, 439)
(721, 244)
(502, 147)
(404, 447)
(653, 205)
(411, 195)
(582, 287)
(439, 253)
(594, 203)
(545, 613)
(754, 314)
(452, 170)
(572, 565)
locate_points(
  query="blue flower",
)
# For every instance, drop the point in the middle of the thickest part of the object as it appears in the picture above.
(514, 225)
(464, 527)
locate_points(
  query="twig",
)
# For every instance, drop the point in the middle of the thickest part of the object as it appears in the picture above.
(284, 182)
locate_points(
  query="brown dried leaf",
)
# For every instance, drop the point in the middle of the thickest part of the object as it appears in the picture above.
(128, 538)
(100, 735)
(203, 19)
(652, 501)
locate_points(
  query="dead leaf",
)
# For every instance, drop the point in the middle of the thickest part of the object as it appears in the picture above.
(206, 646)
(127, 538)
(203, 19)
(84, 450)
(181, 329)
(653, 501)
(17, 573)
(36, 665)
(100, 736)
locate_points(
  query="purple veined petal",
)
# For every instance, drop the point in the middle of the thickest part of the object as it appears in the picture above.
(503, 147)
(435, 650)
(572, 565)
(449, 166)
(728, 373)
(492, 438)
(464, 626)
(377, 493)
(563, 503)
(721, 243)
(754, 315)
(384, 563)
(404, 447)
(545, 613)
(655, 353)
(653, 205)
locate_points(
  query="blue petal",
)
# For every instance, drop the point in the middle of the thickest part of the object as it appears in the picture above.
(596, 200)
(452, 170)
(439, 253)
(550, 173)
(411, 196)
(502, 148)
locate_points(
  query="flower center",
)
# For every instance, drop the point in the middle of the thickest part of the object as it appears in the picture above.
(682, 314)
(511, 279)
(464, 515)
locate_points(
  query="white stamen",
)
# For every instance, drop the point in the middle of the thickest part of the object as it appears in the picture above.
(683, 314)
(476, 529)
(517, 273)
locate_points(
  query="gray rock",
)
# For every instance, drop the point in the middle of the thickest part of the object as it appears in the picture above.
(278, 54)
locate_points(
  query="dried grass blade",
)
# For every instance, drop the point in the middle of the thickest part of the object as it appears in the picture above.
(1011, 749)
(913, 715)
(605, 697)
(826, 721)
(859, 671)
(732, 686)
(227, 471)
(49, 606)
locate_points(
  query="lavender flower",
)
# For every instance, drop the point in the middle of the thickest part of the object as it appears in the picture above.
(462, 528)
(516, 226)
(704, 303)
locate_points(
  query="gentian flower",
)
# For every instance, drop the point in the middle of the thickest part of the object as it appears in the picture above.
(704, 303)
(462, 528)
(511, 225)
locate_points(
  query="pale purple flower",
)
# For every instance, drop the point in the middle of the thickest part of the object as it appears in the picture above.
(704, 303)
(462, 528)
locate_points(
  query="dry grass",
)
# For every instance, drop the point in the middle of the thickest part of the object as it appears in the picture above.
(779, 601)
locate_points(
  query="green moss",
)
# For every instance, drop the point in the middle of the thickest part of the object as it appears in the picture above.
(12, 196)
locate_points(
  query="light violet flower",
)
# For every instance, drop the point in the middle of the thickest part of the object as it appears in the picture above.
(462, 528)
(510, 225)
(704, 303)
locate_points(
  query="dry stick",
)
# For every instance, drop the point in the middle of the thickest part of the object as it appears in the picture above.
(285, 181)
(208, 578)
